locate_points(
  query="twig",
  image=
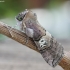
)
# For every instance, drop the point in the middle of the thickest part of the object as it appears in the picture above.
(17, 35)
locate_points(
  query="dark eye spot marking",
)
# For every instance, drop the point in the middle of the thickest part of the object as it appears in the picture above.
(41, 40)
(20, 16)
(45, 43)
(41, 46)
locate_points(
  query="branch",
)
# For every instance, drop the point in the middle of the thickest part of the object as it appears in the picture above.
(21, 38)
(17, 36)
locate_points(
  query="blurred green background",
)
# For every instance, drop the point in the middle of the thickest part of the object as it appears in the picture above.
(10, 8)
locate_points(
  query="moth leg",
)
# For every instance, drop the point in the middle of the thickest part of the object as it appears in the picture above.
(27, 38)
(24, 30)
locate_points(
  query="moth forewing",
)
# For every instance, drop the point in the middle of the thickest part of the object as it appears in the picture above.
(30, 21)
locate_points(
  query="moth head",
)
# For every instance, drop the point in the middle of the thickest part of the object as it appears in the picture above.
(21, 15)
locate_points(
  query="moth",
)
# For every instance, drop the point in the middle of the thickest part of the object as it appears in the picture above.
(28, 23)
(49, 48)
